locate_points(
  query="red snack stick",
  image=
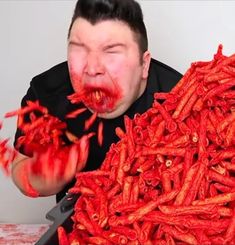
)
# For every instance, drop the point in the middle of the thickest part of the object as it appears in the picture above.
(81, 189)
(31, 106)
(186, 111)
(220, 198)
(103, 204)
(186, 185)
(184, 100)
(230, 94)
(225, 122)
(100, 133)
(201, 172)
(183, 81)
(226, 180)
(166, 182)
(90, 121)
(134, 195)
(171, 151)
(122, 208)
(75, 113)
(7, 156)
(114, 237)
(184, 237)
(127, 187)
(91, 210)
(129, 134)
(229, 235)
(230, 135)
(184, 128)
(219, 89)
(215, 77)
(222, 188)
(145, 232)
(230, 166)
(202, 143)
(139, 213)
(188, 210)
(170, 124)
(165, 96)
(120, 171)
(127, 232)
(62, 236)
(97, 240)
(90, 225)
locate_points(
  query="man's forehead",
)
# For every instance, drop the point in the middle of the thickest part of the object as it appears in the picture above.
(104, 29)
(101, 22)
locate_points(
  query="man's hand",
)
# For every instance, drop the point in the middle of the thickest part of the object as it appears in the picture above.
(49, 171)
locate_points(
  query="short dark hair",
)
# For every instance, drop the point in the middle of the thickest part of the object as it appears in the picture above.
(128, 11)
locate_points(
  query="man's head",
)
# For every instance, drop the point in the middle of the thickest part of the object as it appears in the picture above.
(107, 54)
(128, 11)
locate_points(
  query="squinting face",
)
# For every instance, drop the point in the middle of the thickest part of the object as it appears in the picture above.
(104, 65)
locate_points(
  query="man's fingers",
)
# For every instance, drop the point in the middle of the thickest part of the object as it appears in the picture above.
(71, 165)
(24, 177)
(84, 145)
(61, 164)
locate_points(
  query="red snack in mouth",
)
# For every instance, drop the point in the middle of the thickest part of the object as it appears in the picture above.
(98, 99)
(101, 101)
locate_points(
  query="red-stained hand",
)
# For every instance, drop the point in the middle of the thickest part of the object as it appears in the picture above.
(49, 170)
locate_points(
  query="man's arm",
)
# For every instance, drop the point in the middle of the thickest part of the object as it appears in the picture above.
(32, 184)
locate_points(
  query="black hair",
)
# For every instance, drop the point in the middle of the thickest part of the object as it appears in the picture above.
(128, 11)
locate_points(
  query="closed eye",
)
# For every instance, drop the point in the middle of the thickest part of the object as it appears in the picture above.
(112, 51)
(114, 48)
(71, 43)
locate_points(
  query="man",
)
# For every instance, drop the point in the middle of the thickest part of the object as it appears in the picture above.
(110, 66)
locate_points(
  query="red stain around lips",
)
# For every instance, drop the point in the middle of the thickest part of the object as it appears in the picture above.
(99, 98)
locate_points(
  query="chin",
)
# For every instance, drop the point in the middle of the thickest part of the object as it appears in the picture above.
(112, 114)
(107, 115)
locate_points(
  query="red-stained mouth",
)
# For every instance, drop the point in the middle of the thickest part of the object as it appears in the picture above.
(100, 100)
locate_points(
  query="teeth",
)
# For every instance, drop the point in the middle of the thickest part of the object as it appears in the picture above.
(98, 95)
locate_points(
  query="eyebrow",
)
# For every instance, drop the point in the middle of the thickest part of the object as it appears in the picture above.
(76, 43)
(106, 47)
(114, 45)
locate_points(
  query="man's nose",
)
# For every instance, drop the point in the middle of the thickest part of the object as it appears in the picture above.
(94, 65)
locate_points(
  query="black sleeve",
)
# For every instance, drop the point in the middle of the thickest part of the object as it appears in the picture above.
(30, 95)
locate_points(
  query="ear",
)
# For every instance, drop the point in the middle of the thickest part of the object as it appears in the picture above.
(146, 64)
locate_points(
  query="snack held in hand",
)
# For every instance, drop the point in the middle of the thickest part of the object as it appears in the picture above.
(7, 154)
(43, 139)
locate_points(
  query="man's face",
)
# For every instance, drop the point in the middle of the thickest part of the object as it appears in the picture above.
(105, 66)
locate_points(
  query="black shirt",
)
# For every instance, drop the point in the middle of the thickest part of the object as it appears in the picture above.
(52, 87)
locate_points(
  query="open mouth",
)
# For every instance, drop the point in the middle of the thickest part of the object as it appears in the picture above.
(98, 96)
(100, 101)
